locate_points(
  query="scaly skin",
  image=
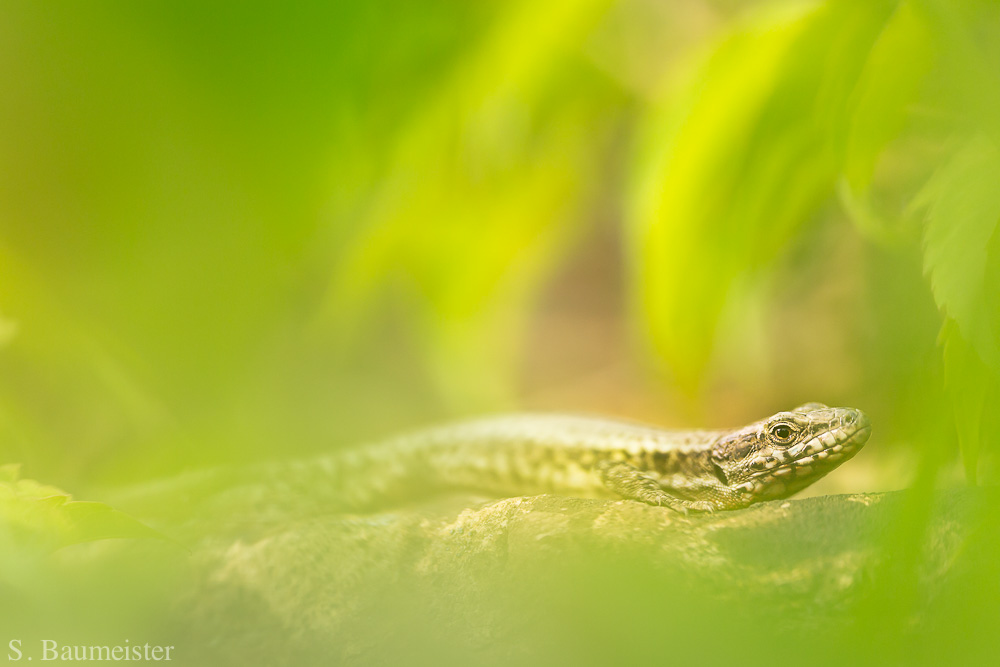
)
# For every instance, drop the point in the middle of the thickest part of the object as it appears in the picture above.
(528, 454)
(683, 470)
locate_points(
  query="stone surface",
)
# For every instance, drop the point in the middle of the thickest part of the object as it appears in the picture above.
(547, 578)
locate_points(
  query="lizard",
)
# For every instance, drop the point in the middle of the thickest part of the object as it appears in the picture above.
(687, 471)
(525, 454)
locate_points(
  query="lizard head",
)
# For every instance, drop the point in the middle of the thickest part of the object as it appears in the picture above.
(777, 456)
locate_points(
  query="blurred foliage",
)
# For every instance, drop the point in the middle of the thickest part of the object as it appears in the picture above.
(48, 518)
(748, 154)
(228, 227)
(239, 232)
(794, 107)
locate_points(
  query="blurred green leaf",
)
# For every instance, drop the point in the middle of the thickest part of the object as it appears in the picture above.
(755, 148)
(974, 392)
(476, 205)
(960, 244)
(889, 85)
(887, 93)
(40, 516)
(962, 262)
(967, 77)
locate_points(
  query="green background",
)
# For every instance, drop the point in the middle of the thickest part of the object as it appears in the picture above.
(237, 232)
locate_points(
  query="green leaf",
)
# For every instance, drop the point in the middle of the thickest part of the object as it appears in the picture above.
(479, 201)
(884, 103)
(730, 173)
(889, 84)
(973, 389)
(962, 261)
(968, 76)
(40, 516)
(961, 246)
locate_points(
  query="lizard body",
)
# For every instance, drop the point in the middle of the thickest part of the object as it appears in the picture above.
(703, 470)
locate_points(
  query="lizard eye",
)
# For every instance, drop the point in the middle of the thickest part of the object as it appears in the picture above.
(782, 432)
